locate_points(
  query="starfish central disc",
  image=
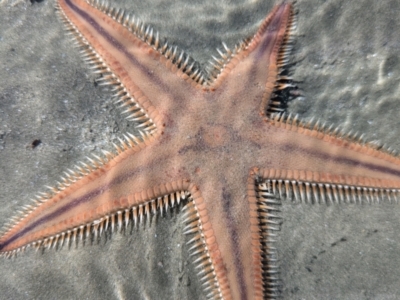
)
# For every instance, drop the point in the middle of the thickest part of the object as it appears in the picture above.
(216, 136)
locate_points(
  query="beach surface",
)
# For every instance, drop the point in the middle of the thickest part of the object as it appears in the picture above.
(52, 115)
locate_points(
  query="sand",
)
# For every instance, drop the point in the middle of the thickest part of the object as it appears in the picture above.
(347, 66)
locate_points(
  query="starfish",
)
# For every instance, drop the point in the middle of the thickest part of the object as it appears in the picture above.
(218, 143)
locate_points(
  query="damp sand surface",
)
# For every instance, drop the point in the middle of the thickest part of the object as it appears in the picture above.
(52, 115)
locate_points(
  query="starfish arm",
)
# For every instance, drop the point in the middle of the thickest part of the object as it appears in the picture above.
(148, 75)
(321, 187)
(130, 186)
(309, 147)
(225, 236)
(256, 63)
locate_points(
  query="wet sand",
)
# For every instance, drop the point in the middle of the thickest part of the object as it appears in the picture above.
(347, 66)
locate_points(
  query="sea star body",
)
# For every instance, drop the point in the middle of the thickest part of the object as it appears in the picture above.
(207, 142)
